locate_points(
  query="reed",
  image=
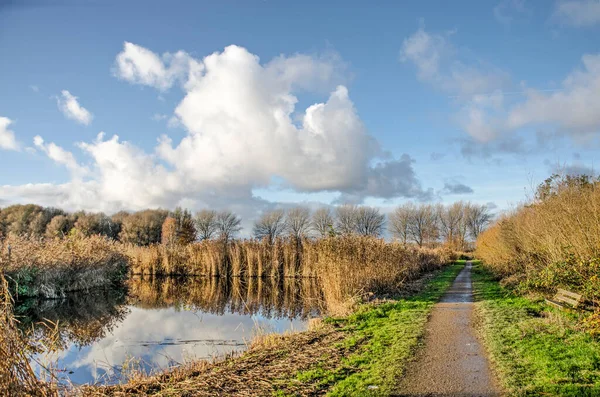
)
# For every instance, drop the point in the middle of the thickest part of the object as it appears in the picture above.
(17, 377)
(52, 267)
(351, 267)
(554, 241)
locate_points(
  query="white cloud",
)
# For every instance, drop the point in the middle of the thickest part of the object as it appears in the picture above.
(34, 88)
(438, 63)
(139, 65)
(575, 110)
(579, 13)
(70, 107)
(475, 88)
(488, 113)
(243, 132)
(60, 155)
(7, 136)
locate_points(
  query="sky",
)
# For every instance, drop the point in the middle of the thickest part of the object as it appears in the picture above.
(250, 105)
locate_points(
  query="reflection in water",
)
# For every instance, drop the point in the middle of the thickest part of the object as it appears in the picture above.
(162, 322)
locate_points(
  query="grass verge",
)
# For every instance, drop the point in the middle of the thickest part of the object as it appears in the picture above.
(537, 350)
(387, 335)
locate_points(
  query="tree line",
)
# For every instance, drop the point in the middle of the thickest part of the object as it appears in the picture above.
(420, 224)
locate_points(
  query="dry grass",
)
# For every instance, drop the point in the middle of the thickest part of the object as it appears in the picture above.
(351, 268)
(51, 267)
(17, 377)
(262, 370)
(549, 243)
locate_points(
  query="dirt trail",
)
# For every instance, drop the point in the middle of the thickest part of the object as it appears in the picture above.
(452, 362)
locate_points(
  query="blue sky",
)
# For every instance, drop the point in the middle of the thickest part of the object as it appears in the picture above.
(431, 100)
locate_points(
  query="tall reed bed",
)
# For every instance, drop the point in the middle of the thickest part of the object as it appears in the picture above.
(352, 266)
(17, 377)
(344, 266)
(552, 242)
(239, 258)
(52, 267)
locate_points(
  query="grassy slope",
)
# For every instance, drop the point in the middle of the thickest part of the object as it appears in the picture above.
(537, 350)
(386, 335)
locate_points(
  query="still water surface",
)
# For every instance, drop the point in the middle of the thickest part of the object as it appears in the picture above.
(163, 322)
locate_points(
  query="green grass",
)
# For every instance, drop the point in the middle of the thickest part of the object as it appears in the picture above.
(537, 350)
(386, 337)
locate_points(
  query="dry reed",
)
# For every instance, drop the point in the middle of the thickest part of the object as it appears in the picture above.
(549, 243)
(17, 377)
(52, 267)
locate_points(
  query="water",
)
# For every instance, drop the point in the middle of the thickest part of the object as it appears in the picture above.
(159, 323)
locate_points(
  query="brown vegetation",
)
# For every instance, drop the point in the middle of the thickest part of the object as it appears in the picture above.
(17, 378)
(552, 242)
(51, 267)
(345, 266)
(261, 371)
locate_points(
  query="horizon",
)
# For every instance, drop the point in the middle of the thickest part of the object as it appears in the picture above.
(250, 106)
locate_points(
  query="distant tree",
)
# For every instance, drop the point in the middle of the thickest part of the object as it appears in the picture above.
(117, 223)
(346, 219)
(322, 222)
(369, 221)
(423, 225)
(169, 231)
(59, 227)
(16, 219)
(143, 227)
(400, 222)
(270, 225)
(88, 224)
(206, 224)
(297, 222)
(185, 228)
(449, 220)
(478, 218)
(228, 225)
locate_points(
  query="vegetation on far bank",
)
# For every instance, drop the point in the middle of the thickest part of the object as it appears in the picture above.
(535, 348)
(48, 252)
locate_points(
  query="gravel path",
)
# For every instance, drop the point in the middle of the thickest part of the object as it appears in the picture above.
(453, 362)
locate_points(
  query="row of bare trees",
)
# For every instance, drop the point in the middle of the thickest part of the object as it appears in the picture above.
(425, 224)
(421, 224)
(298, 222)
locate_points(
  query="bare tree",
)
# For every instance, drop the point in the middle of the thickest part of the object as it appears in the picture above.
(228, 225)
(423, 227)
(322, 222)
(400, 221)
(450, 218)
(297, 222)
(270, 225)
(206, 224)
(478, 217)
(369, 221)
(346, 219)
